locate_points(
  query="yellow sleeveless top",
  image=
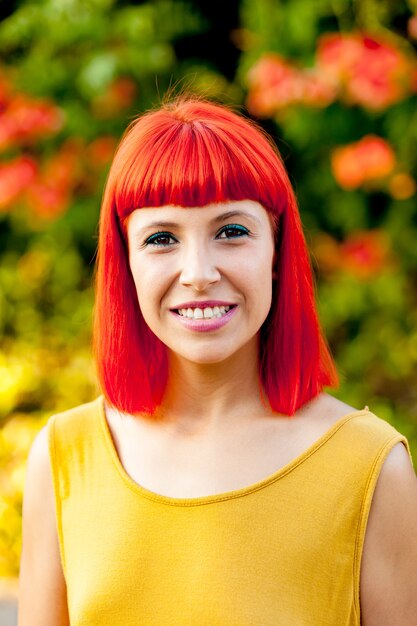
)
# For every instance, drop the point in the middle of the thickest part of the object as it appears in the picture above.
(285, 551)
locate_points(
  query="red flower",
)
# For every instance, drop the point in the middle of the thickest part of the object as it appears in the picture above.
(337, 54)
(50, 193)
(15, 178)
(371, 72)
(365, 253)
(275, 84)
(25, 120)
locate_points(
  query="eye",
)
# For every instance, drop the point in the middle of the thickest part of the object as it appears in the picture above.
(238, 231)
(155, 240)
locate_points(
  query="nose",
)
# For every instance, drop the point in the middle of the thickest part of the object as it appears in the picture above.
(198, 269)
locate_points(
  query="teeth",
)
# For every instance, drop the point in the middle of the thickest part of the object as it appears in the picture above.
(206, 313)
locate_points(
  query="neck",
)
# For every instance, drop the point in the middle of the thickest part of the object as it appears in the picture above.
(202, 396)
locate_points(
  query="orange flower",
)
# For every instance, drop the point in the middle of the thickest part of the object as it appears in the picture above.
(402, 186)
(369, 159)
(346, 169)
(376, 155)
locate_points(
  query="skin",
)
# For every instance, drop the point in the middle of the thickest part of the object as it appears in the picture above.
(212, 404)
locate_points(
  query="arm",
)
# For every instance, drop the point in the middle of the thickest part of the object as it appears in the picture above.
(42, 589)
(388, 586)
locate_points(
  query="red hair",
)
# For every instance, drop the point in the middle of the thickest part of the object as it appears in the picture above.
(190, 153)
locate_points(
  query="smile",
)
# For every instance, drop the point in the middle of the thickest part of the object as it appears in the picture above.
(204, 313)
(206, 319)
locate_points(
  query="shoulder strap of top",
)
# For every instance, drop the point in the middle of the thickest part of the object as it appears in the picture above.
(71, 433)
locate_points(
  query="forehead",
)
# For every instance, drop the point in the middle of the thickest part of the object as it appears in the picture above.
(174, 216)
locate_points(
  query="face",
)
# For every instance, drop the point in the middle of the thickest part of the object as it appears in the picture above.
(218, 255)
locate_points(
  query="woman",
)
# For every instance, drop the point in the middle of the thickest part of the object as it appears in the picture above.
(213, 482)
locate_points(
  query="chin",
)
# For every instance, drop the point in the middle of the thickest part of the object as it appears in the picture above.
(204, 358)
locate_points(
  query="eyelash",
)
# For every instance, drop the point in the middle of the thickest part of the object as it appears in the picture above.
(152, 239)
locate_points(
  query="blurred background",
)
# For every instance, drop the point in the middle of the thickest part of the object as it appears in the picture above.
(333, 81)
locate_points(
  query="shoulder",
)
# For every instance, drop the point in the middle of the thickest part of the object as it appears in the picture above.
(388, 568)
(324, 410)
(40, 563)
(59, 434)
(38, 459)
(38, 492)
(394, 502)
(395, 497)
(367, 427)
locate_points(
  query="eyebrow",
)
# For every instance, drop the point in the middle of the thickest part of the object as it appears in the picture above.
(217, 219)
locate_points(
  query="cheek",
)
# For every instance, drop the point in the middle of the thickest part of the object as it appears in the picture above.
(255, 269)
(148, 284)
(258, 279)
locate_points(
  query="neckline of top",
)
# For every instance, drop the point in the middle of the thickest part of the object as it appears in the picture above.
(217, 497)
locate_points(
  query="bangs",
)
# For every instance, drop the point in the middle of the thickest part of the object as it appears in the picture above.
(167, 161)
